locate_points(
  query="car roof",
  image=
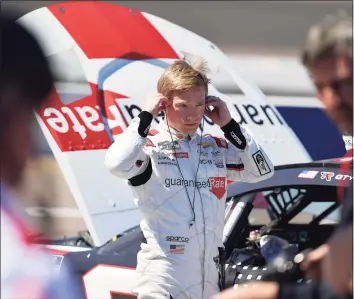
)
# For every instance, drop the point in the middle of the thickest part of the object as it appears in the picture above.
(302, 174)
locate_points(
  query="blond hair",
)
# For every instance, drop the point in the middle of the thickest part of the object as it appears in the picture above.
(182, 76)
(331, 37)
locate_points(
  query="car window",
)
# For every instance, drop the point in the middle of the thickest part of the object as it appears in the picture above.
(271, 204)
(314, 209)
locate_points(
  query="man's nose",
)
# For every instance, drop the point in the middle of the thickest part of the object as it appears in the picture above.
(189, 117)
(327, 90)
(329, 96)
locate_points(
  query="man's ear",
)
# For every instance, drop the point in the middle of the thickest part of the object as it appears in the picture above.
(165, 103)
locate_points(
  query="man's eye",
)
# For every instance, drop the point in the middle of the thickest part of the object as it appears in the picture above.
(200, 104)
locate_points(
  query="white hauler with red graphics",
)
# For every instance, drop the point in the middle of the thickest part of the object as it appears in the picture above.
(107, 58)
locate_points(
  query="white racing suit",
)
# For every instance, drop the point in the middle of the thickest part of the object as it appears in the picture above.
(179, 258)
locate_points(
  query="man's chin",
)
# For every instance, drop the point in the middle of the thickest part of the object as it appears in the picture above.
(190, 129)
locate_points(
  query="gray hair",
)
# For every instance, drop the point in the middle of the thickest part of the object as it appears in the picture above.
(333, 36)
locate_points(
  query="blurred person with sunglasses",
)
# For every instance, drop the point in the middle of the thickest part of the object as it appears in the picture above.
(328, 57)
(25, 83)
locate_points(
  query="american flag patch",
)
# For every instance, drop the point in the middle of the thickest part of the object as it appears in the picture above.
(177, 249)
(308, 174)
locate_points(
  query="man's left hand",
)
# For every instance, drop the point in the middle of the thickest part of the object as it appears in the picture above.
(256, 290)
(220, 115)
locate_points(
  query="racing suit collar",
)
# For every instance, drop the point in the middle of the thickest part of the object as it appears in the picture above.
(176, 135)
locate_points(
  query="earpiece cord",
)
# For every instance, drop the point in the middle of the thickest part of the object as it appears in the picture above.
(180, 171)
(200, 151)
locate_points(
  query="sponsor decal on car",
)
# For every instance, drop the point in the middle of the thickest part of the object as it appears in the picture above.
(328, 176)
(308, 174)
(325, 175)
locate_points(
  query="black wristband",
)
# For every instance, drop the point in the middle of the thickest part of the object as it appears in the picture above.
(145, 122)
(232, 132)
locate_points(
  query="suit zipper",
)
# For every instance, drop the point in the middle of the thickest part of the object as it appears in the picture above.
(204, 235)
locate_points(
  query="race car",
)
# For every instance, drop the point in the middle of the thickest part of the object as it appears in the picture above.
(297, 205)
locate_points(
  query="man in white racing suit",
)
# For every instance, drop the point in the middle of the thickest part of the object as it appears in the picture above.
(179, 181)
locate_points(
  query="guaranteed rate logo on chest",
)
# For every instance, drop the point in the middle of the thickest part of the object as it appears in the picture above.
(216, 185)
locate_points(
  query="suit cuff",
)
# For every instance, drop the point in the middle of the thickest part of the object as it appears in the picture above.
(232, 132)
(145, 123)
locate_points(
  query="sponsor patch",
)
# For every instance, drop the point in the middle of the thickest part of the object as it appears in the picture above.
(219, 163)
(218, 186)
(216, 154)
(204, 144)
(149, 143)
(166, 160)
(236, 138)
(177, 249)
(203, 154)
(168, 145)
(220, 142)
(153, 132)
(177, 239)
(138, 163)
(169, 182)
(181, 155)
(261, 163)
(308, 174)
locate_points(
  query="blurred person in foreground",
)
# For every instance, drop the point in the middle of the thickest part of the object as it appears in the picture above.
(328, 57)
(179, 179)
(25, 82)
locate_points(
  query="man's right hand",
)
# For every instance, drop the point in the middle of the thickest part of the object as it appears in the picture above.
(155, 104)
